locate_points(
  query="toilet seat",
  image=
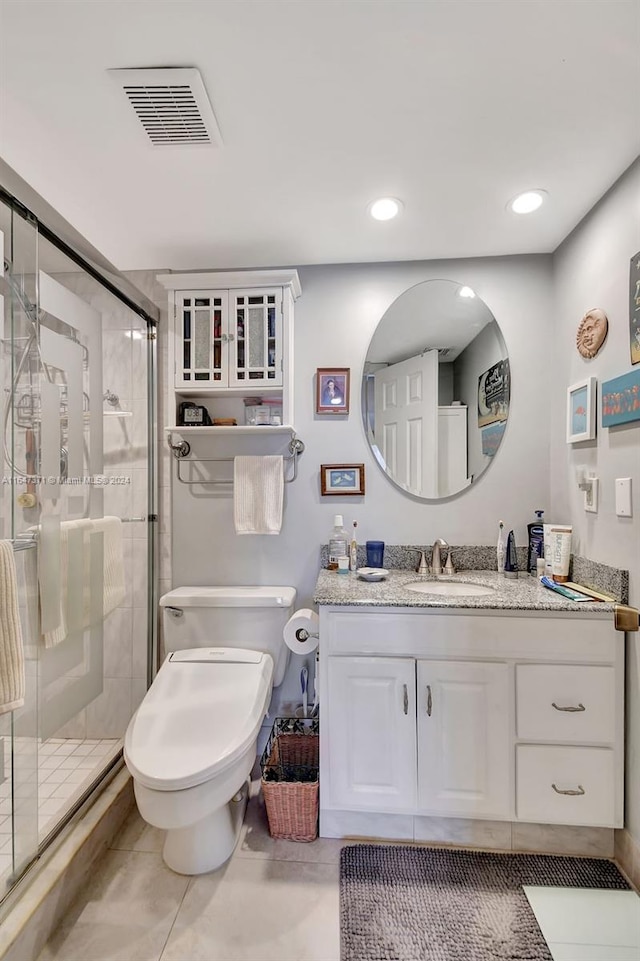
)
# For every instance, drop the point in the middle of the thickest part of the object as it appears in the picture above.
(203, 710)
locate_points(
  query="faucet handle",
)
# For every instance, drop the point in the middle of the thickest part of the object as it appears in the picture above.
(448, 567)
(423, 567)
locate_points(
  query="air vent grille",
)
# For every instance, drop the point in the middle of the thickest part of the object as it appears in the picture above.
(171, 104)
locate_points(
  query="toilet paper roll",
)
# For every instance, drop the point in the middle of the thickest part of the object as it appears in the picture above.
(301, 631)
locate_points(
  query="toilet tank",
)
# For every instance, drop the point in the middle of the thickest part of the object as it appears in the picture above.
(249, 617)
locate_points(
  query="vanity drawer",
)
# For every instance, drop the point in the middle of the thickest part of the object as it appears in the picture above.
(571, 703)
(544, 773)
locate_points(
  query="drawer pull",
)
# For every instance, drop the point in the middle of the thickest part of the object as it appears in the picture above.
(406, 699)
(429, 700)
(580, 707)
(577, 793)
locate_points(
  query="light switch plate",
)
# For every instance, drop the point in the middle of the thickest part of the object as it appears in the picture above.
(623, 496)
(591, 497)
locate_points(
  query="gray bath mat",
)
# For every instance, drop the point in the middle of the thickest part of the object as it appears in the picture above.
(427, 904)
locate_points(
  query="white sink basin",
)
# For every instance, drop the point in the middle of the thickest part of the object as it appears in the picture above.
(450, 588)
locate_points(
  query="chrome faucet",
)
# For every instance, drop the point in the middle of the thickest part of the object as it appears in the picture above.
(436, 560)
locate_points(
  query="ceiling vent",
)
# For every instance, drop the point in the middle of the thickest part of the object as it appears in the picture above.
(172, 105)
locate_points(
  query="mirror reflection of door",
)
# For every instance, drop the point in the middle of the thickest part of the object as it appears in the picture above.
(421, 394)
(406, 419)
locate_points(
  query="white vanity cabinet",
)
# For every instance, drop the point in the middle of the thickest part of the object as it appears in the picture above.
(372, 718)
(433, 713)
(463, 741)
(232, 340)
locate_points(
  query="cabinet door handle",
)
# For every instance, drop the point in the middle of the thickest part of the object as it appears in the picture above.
(580, 707)
(577, 793)
(429, 700)
(406, 699)
(232, 336)
(224, 338)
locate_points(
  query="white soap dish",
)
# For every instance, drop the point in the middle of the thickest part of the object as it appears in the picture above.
(372, 573)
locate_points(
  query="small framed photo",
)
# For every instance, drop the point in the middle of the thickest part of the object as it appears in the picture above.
(341, 479)
(332, 390)
(581, 411)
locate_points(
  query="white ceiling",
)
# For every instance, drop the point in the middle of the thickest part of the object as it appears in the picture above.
(454, 106)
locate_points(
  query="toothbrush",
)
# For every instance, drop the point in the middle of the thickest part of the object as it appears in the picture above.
(353, 550)
(304, 683)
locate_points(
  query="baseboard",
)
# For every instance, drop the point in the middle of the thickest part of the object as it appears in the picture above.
(627, 855)
(42, 897)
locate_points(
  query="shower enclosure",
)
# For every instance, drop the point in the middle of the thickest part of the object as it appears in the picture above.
(77, 503)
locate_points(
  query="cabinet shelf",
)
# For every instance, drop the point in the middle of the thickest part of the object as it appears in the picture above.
(246, 429)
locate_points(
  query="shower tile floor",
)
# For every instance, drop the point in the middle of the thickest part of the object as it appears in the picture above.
(66, 767)
(274, 900)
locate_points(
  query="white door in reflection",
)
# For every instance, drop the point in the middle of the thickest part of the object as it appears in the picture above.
(406, 419)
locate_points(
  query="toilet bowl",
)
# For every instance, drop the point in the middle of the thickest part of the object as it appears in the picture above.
(191, 745)
(190, 748)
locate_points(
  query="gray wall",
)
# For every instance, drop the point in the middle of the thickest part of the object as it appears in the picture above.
(335, 318)
(591, 269)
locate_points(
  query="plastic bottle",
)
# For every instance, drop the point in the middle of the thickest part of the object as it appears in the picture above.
(338, 542)
(536, 542)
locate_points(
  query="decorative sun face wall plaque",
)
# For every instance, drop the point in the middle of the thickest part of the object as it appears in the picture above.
(592, 332)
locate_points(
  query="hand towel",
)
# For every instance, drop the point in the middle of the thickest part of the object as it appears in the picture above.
(112, 587)
(258, 493)
(11, 646)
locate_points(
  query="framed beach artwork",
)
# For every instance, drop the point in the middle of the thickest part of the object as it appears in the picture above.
(621, 399)
(332, 390)
(581, 411)
(341, 479)
(634, 308)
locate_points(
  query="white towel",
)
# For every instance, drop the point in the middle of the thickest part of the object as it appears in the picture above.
(258, 493)
(113, 590)
(11, 646)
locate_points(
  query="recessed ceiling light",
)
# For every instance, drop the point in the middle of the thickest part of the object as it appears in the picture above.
(385, 209)
(527, 202)
(466, 292)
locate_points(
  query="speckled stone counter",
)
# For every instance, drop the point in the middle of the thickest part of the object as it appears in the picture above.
(525, 593)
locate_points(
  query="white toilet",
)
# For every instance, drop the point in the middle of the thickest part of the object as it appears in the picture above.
(191, 744)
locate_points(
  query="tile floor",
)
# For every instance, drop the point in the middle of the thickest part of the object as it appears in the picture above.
(273, 901)
(581, 924)
(62, 769)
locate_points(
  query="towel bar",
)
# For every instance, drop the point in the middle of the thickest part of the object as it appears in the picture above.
(181, 451)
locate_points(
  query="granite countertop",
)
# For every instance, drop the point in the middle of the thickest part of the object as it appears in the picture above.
(525, 593)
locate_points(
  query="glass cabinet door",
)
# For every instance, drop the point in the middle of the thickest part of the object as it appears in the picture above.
(255, 340)
(202, 339)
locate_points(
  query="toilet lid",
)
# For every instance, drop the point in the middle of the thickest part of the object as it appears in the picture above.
(202, 711)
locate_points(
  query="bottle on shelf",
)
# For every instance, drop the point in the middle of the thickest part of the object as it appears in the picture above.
(536, 542)
(338, 542)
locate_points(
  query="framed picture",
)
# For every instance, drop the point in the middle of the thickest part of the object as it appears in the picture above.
(621, 399)
(634, 308)
(332, 390)
(341, 479)
(494, 389)
(581, 411)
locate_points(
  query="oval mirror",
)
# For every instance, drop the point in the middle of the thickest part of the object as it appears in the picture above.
(435, 391)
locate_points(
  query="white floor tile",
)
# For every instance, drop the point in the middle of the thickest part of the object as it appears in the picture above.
(255, 909)
(587, 916)
(592, 952)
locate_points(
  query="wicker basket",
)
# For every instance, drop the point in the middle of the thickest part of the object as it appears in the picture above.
(290, 779)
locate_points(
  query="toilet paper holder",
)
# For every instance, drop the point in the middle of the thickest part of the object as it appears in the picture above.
(302, 634)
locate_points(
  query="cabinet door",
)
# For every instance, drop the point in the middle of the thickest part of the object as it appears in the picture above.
(463, 739)
(201, 338)
(255, 338)
(372, 733)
